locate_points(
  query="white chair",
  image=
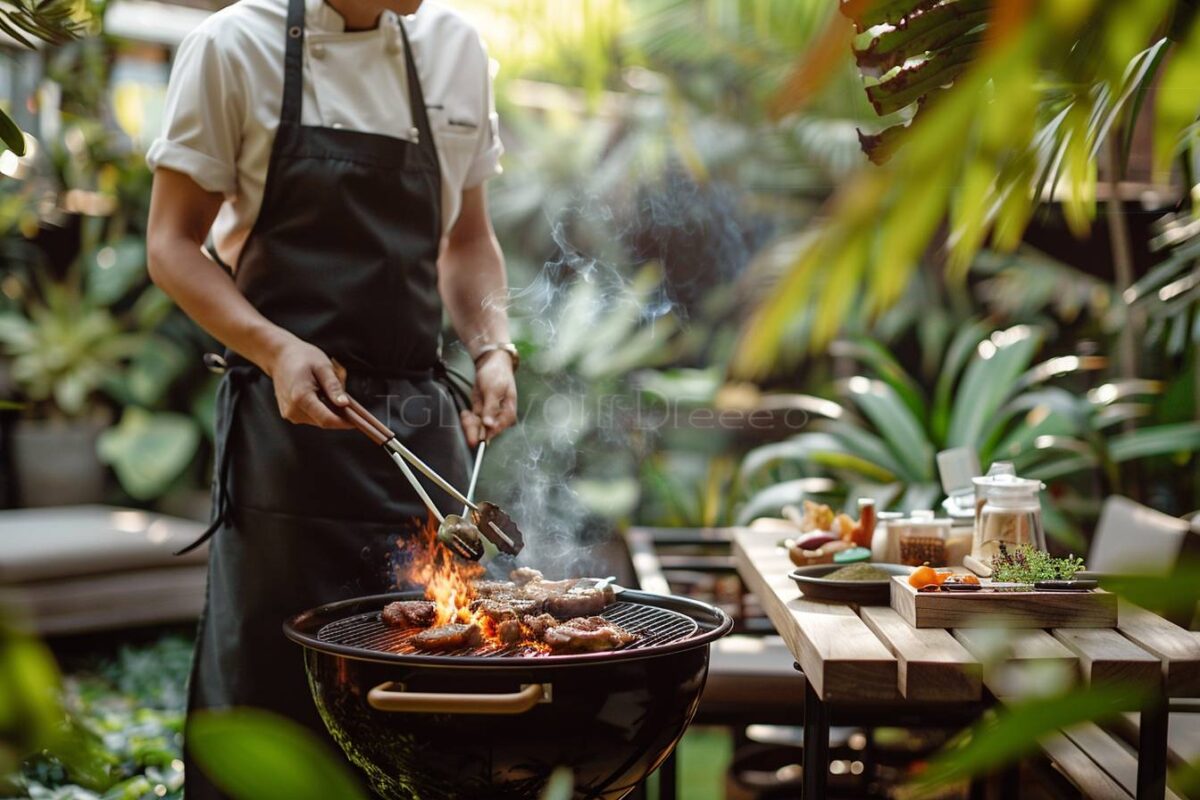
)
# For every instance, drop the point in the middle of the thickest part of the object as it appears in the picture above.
(1133, 539)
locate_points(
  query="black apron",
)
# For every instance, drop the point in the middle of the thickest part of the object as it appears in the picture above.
(344, 255)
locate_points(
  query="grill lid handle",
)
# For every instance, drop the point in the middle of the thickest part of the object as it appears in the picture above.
(390, 696)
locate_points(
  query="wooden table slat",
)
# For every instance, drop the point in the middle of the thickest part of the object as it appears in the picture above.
(1110, 755)
(1178, 648)
(1010, 677)
(1081, 770)
(841, 657)
(1106, 656)
(932, 665)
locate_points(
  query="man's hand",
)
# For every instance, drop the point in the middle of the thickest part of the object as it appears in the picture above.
(305, 381)
(494, 400)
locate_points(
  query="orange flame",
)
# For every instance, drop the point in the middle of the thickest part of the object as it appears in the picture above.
(450, 584)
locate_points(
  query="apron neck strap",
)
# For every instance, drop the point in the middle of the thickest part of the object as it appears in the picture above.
(416, 96)
(293, 64)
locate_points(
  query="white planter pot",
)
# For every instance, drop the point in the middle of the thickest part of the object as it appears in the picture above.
(56, 463)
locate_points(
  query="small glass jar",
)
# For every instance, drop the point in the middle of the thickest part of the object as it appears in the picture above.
(1009, 513)
(923, 539)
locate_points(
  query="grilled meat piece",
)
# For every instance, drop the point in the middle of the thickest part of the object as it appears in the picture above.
(582, 601)
(410, 613)
(586, 635)
(455, 636)
(496, 590)
(496, 611)
(509, 631)
(506, 608)
(531, 594)
(538, 625)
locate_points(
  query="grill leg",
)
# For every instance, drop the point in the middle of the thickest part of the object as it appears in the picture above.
(816, 744)
(667, 777)
(1152, 750)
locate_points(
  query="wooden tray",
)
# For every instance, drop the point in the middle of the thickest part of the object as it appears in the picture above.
(1094, 609)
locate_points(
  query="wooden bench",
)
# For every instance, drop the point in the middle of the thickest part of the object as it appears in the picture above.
(90, 568)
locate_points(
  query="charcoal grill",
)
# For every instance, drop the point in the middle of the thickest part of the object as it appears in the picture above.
(654, 627)
(493, 722)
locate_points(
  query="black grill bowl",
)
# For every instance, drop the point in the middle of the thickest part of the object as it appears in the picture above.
(612, 718)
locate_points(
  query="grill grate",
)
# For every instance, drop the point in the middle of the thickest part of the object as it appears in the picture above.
(653, 626)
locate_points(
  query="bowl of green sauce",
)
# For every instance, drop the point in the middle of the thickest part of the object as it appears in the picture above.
(863, 583)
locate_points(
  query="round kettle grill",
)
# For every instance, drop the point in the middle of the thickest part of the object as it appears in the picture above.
(493, 722)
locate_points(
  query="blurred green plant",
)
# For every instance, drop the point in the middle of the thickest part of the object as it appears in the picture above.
(255, 755)
(119, 731)
(989, 396)
(1034, 92)
(100, 335)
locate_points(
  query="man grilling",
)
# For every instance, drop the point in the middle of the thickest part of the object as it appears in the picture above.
(336, 151)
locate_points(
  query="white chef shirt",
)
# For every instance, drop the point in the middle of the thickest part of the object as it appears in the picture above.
(226, 91)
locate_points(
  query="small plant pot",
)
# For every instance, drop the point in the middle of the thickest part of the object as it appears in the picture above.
(56, 463)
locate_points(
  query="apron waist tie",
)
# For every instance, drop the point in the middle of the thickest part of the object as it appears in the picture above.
(236, 376)
(237, 370)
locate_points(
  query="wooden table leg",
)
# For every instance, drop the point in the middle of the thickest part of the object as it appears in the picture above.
(1152, 750)
(816, 744)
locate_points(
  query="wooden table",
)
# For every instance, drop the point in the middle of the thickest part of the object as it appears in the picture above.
(863, 657)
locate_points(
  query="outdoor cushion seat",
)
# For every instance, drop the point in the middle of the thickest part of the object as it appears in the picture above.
(80, 569)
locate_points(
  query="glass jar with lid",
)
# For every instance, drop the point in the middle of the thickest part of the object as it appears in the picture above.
(1009, 512)
(923, 539)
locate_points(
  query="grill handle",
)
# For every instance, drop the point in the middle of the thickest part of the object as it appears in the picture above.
(390, 696)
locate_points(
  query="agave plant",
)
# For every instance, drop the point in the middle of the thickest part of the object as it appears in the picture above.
(991, 397)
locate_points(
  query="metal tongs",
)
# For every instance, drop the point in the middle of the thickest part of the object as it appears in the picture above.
(464, 536)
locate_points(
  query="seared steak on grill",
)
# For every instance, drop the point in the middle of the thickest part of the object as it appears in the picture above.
(530, 593)
(410, 613)
(448, 637)
(586, 635)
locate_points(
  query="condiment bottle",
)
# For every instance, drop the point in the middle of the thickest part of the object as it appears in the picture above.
(1009, 512)
(885, 547)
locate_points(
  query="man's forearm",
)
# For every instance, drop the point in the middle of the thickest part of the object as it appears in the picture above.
(209, 296)
(474, 288)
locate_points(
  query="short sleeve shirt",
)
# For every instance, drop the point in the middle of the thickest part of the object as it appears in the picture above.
(226, 91)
